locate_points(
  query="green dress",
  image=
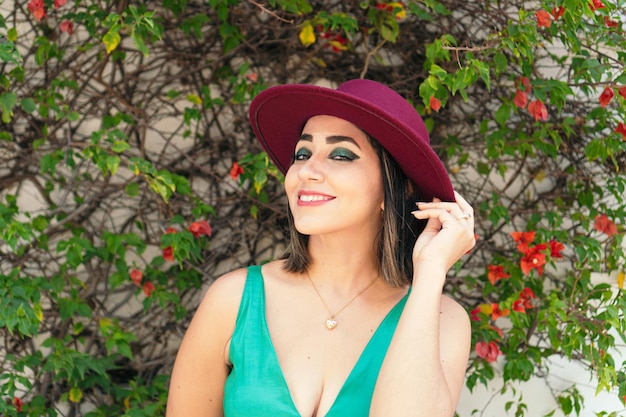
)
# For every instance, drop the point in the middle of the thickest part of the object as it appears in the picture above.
(256, 386)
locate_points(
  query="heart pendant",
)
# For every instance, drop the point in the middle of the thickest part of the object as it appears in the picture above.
(331, 323)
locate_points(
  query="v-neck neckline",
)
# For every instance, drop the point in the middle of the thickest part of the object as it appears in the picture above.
(355, 368)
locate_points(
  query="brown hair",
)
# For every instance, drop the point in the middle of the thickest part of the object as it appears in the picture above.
(398, 233)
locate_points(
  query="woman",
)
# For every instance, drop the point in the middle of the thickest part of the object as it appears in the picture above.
(352, 321)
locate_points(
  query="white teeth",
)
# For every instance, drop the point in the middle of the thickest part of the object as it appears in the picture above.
(312, 198)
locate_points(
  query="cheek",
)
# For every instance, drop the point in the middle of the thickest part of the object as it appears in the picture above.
(291, 180)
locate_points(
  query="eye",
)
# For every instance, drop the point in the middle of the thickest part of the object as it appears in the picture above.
(342, 154)
(302, 154)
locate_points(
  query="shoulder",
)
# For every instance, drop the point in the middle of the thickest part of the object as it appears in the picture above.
(225, 293)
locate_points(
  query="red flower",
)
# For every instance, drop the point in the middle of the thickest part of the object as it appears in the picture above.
(338, 43)
(521, 99)
(18, 403)
(235, 171)
(488, 351)
(496, 312)
(523, 239)
(435, 104)
(171, 230)
(555, 249)
(168, 254)
(475, 314)
(596, 4)
(603, 224)
(136, 276)
(621, 128)
(527, 296)
(518, 305)
(67, 26)
(496, 273)
(148, 288)
(609, 23)
(538, 110)
(557, 13)
(543, 18)
(59, 3)
(37, 8)
(533, 258)
(606, 96)
(523, 83)
(622, 91)
(201, 228)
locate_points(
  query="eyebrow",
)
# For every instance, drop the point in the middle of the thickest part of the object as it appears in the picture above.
(331, 139)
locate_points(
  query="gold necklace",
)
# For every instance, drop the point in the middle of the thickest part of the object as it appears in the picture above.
(331, 322)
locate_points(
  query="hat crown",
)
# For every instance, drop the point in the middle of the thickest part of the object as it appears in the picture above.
(389, 101)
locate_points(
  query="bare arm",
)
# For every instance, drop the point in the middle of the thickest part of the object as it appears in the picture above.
(424, 368)
(197, 383)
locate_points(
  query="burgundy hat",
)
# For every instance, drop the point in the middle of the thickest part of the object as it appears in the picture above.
(279, 114)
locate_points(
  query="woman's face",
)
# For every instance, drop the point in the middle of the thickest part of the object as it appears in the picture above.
(334, 183)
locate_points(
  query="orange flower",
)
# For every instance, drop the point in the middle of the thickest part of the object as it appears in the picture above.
(235, 171)
(538, 110)
(544, 19)
(523, 239)
(148, 288)
(488, 351)
(521, 99)
(496, 312)
(558, 12)
(37, 8)
(136, 276)
(435, 104)
(606, 96)
(201, 227)
(603, 224)
(621, 128)
(496, 273)
(533, 258)
(527, 296)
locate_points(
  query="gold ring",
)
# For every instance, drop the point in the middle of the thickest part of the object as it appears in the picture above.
(464, 216)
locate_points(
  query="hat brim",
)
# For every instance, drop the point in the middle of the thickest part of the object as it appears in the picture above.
(278, 115)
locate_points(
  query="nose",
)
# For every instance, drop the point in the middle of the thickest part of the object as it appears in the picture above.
(310, 170)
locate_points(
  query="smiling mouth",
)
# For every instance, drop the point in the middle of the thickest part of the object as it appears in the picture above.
(314, 197)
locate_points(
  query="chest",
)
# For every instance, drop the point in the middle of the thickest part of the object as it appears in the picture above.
(316, 362)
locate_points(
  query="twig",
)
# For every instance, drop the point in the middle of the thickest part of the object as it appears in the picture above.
(271, 13)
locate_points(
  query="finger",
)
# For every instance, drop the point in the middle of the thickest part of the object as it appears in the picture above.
(463, 204)
(455, 210)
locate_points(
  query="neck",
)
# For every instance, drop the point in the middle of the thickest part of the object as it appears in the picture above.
(341, 267)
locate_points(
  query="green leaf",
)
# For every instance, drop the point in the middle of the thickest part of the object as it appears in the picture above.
(7, 102)
(132, 189)
(120, 146)
(500, 61)
(111, 40)
(28, 105)
(139, 42)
